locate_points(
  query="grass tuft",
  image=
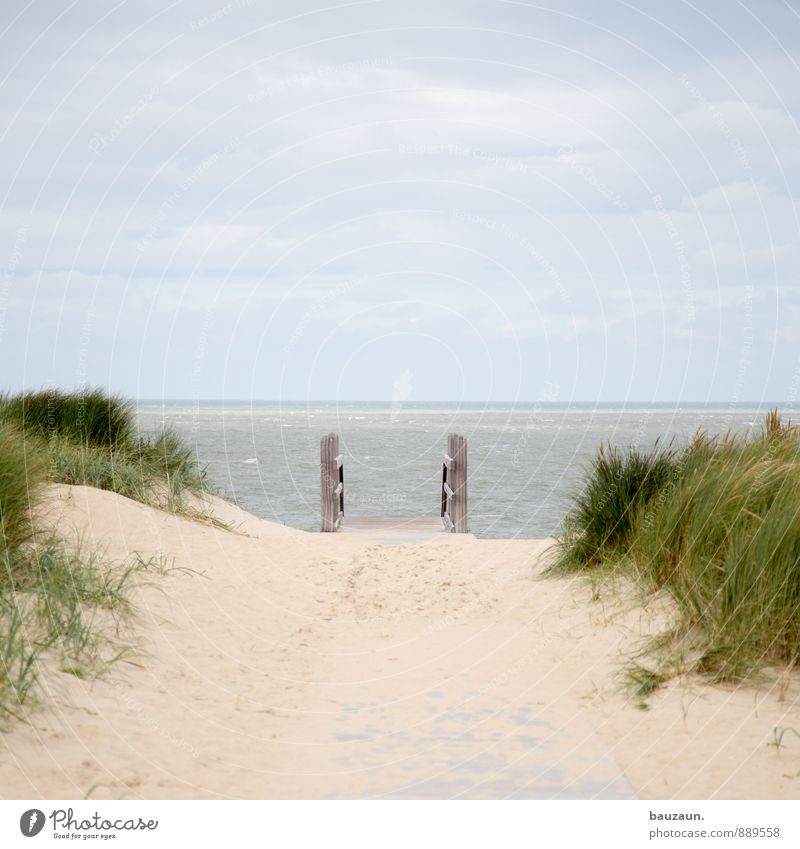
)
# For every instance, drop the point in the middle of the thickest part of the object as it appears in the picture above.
(159, 471)
(56, 603)
(18, 657)
(718, 527)
(617, 486)
(91, 439)
(88, 417)
(642, 681)
(60, 605)
(22, 476)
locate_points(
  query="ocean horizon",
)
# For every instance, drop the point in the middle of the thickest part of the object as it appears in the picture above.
(526, 459)
(290, 402)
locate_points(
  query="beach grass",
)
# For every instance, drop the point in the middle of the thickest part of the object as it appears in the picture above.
(158, 470)
(618, 484)
(22, 477)
(86, 417)
(91, 438)
(720, 534)
(58, 603)
(61, 606)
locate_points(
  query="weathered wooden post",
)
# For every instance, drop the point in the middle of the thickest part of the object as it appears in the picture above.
(454, 485)
(459, 485)
(331, 474)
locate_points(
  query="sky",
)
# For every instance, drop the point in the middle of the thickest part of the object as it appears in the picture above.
(489, 200)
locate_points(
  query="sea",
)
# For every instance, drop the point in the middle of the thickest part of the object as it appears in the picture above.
(526, 462)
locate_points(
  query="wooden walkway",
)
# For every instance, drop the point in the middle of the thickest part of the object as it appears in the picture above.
(395, 530)
(452, 517)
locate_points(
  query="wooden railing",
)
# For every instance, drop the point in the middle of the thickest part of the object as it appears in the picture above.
(331, 470)
(454, 485)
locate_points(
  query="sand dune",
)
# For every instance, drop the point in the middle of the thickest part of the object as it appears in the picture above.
(288, 664)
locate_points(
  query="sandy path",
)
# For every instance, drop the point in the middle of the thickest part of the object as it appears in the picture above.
(302, 665)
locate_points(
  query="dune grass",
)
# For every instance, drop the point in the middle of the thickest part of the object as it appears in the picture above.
(86, 417)
(618, 485)
(720, 533)
(91, 438)
(22, 476)
(58, 604)
(61, 607)
(158, 470)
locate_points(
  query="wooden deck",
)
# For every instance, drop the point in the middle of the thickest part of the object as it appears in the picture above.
(394, 530)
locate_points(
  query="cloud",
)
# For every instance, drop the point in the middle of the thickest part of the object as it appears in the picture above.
(572, 191)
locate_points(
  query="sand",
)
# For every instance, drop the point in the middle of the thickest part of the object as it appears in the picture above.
(272, 663)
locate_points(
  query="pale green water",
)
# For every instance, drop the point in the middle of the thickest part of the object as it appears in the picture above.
(524, 462)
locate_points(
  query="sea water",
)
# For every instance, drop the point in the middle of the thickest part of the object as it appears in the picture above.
(525, 462)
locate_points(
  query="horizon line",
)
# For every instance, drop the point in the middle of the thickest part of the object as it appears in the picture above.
(454, 402)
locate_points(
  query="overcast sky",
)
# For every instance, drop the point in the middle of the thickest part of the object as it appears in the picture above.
(440, 200)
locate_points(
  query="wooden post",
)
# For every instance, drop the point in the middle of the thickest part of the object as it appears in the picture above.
(447, 479)
(330, 499)
(459, 485)
(454, 485)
